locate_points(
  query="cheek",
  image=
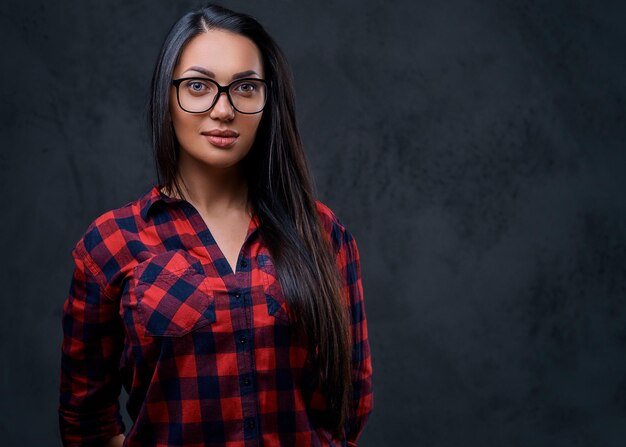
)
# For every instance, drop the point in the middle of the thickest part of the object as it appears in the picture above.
(184, 124)
(253, 125)
(178, 126)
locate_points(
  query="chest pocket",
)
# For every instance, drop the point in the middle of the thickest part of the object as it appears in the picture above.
(274, 296)
(172, 296)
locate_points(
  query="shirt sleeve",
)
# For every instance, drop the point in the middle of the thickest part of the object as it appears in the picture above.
(362, 404)
(92, 342)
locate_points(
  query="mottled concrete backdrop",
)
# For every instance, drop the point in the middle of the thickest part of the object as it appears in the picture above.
(476, 150)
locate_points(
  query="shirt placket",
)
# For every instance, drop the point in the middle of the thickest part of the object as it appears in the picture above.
(243, 331)
(238, 285)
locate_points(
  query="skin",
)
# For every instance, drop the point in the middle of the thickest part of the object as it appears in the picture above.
(116, 441)
(216, 186)
(224, 54)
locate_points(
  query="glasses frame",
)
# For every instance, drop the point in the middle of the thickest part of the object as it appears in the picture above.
(220, 89)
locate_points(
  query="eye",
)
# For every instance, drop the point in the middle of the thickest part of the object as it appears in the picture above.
(198, 87)
(249, 87)
(245, 88)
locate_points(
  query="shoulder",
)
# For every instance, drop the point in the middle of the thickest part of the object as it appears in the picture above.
(104, 244)
(333, 226)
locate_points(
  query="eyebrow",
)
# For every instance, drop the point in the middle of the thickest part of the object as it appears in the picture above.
(210, 74)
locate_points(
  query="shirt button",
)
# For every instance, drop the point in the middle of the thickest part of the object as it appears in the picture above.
(237, 295)
(246, 381)
(251, 423)
(243, 263)
(242, 339)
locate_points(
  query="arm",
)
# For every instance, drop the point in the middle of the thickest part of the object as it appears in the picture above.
(349, 265)
(90, 352)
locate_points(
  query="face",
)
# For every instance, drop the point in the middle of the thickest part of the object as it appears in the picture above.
(221, 136)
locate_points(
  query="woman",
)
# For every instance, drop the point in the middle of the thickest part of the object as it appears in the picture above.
(227, 300)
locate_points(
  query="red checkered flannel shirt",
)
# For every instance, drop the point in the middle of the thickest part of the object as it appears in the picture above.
(205, 354)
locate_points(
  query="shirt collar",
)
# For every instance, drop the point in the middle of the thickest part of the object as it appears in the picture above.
(151, 198)
(155, 196)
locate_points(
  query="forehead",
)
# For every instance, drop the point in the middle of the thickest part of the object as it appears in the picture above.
(221, 52)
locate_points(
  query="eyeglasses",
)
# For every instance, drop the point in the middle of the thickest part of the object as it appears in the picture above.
(198, 95)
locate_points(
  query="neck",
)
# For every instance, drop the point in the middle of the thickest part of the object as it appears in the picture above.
(212, 191)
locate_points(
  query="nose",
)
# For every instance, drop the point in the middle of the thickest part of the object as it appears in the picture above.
(222, 110)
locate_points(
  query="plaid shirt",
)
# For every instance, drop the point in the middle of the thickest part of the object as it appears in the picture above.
(205, 354)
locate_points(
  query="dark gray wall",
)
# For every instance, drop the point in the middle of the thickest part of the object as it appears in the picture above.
(474, 149)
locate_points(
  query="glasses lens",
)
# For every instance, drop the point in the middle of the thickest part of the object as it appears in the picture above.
(248, 95)
(196, 95)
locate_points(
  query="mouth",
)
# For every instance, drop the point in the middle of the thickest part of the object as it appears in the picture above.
(221, 138)
(221, 141)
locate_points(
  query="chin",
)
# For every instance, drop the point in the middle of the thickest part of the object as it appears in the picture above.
(220, 162)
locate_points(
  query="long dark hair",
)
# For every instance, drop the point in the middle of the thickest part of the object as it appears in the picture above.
(280, 190)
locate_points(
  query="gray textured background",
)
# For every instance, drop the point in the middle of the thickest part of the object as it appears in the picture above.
(474, 149)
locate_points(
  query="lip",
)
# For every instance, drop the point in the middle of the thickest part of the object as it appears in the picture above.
(221, 137)
(220, 133)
